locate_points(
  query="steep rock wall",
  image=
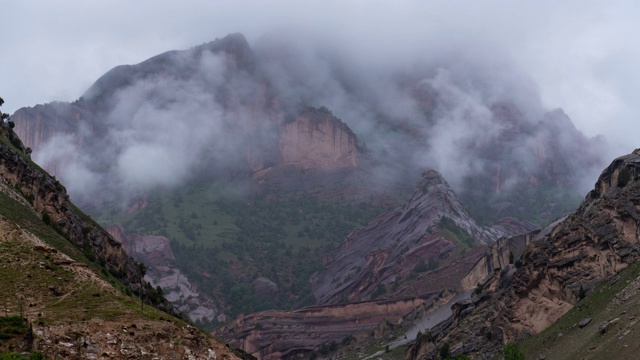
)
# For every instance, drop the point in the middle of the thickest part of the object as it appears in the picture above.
(426, 229)
(318, 140)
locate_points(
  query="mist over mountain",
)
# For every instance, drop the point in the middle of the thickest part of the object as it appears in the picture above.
(217, 111)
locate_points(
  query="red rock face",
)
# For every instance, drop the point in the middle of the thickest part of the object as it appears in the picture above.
(318, 140)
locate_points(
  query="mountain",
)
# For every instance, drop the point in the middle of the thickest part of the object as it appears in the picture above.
(555, 271)
(411, 257)
(256, 162)
(68, 287)
(431, 231)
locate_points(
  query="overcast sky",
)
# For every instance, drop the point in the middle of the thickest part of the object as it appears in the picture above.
(582, 54)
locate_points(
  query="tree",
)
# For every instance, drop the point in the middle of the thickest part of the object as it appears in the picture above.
(444, 351)
(4, 116)
(581, 293)
(511, 351)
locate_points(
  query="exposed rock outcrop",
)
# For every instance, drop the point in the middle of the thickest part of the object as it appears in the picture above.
(288, 334)
(155, 252)
(58, 270)
(594, 243)
(318, 140)
(388, 250)
(49, 199)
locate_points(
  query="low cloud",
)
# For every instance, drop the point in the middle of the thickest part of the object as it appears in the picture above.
(464, 111)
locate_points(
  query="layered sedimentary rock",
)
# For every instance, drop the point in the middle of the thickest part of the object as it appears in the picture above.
(288, 334)
(594, 243)
(388, 250)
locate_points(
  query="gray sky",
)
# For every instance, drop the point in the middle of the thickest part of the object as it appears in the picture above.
(583, 55)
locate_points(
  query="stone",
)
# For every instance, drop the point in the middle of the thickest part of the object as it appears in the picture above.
(606, 325)
(584, 322)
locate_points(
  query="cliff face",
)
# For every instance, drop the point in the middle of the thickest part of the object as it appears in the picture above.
(38, 125)
(156, 253)
(317, 140)
(388, 250)
(593, 244)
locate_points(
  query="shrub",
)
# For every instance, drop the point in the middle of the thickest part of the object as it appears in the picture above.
(420, 267)
(444, 351)
(512, 352)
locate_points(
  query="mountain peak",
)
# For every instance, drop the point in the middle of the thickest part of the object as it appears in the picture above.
(429, 179)
(178, 64)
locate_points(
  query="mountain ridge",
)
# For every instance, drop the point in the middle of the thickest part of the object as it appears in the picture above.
(591, 245)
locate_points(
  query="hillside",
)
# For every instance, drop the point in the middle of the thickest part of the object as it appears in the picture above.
(516, 301)
(600, 326)
(68, 287)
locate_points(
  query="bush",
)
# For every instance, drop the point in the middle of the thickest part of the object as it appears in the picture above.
(420, 267)
(512, 352)
(444, 351)
(379, 291)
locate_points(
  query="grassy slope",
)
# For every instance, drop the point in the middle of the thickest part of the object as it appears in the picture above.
(234, 238)
(51, 292)
(608, 301)
(29, 274)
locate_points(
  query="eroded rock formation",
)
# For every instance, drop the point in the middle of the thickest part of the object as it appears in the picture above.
(155, 252)
(287, 334)
(430, 226)
(594, 243)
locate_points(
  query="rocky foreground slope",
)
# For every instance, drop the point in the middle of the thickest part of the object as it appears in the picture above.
(521, 299)
(69, 284)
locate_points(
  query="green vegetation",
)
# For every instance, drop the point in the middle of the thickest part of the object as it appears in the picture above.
(511, 351)
(12, 326)
(224, 240)
(19, 356)
(444, 351)
(379, 291)
(453, 232)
